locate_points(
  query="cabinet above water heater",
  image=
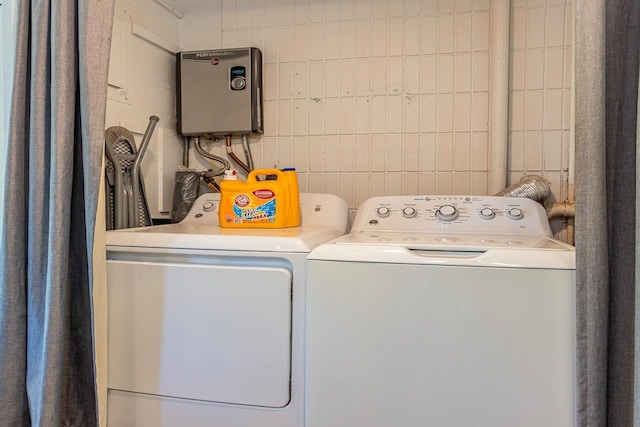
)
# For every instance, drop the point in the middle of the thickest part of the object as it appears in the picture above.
(219, 92)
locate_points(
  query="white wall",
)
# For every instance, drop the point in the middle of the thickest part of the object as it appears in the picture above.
(141, 84)
(391, 97)
(540, 85)
(369, 98)
(372, 97)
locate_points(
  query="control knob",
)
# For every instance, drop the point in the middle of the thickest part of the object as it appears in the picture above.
(383, 211)
(447, 213)
(487, 213)
(515, 213)
(238, 83)
(409, 212)
(208, 206)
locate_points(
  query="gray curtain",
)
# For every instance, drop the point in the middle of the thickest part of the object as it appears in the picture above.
(607, 47)
(56, 136)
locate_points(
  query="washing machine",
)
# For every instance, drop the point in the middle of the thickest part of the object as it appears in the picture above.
(442, 311)
(206, 324)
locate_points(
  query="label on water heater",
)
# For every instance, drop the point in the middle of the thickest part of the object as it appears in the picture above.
(222, 55)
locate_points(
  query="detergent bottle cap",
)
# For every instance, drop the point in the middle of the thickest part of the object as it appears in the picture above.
(230, 175)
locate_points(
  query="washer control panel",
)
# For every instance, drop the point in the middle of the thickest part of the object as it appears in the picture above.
(480, 214)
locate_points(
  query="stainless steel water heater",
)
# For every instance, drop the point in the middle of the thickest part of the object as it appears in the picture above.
(219, 92)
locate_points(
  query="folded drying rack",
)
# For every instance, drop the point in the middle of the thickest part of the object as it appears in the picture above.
(126, 202)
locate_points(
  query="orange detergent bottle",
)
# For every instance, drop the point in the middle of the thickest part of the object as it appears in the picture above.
(272, 203)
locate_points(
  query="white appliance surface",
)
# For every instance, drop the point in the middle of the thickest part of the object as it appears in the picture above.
(182, 338)
(443, 311)
(321, 215)
(206, 324)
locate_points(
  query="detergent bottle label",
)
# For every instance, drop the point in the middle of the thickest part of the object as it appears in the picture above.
(258, 206)
(269, 203)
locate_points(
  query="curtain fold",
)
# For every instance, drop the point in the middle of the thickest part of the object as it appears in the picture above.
(636, 379)
(622, 47)
(592, 274)
(607, 71)
(56, 135)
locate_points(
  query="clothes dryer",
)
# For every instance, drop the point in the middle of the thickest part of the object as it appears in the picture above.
(206, 324)
(442, 311)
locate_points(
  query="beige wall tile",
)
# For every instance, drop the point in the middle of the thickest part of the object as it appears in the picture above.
(373, 97)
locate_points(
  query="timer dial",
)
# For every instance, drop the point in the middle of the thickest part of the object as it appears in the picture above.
(447, 213)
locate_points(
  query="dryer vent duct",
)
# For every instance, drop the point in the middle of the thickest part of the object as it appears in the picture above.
(531, 187)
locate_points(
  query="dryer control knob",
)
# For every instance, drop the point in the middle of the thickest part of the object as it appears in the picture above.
(447, 213)
(487, 213)
(515, 213)
(383, 212)
(409, 212)
(208, 206)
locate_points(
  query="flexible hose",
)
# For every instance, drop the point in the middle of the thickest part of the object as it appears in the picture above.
(530, 186)
(222, 162)
(537, 188)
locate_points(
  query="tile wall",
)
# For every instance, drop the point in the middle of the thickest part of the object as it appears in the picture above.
(374, 97)
(540, 91)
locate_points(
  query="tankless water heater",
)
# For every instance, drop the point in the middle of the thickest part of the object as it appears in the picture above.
(219, 92)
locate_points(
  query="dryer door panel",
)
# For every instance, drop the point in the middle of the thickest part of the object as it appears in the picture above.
(205, 332)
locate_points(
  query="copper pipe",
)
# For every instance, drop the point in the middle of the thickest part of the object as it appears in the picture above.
(235, 158)
(565, 209)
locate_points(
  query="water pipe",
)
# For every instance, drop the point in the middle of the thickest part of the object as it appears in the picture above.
(499, 95)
